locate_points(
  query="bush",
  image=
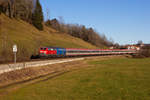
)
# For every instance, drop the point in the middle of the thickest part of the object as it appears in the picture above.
(143, 53)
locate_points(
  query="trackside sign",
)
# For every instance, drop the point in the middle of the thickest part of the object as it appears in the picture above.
(14, 48)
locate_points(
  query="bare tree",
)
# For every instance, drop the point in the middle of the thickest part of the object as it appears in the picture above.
(48, 13)
(140, 42)
(17, 8)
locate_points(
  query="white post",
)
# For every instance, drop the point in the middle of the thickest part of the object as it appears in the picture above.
(15, 51)
(15, 58)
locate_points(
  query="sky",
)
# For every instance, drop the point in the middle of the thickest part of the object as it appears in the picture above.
(124, 21)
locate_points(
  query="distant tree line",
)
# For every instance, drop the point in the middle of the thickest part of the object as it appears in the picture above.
(144, 52)
(27, 10)
(80, 31)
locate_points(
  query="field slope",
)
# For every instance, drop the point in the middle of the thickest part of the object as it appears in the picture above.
(104, 79)
(29, 39)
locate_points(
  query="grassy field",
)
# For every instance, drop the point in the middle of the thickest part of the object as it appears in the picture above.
(29, 39)
(101, 79)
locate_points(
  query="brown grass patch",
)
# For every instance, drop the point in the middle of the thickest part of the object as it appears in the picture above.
(29, 74)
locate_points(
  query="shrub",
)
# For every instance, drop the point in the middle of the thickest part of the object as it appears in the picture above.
(143, 53)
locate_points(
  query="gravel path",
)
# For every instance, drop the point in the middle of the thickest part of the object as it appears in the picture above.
(11, 67)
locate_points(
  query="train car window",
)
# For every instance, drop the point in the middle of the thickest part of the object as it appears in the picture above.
(69, 51)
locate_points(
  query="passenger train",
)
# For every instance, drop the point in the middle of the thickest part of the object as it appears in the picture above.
(70, 52)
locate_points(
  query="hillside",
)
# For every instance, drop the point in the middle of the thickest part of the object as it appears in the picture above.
(29, 39)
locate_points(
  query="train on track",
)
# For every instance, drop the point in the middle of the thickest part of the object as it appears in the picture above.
(70, 52)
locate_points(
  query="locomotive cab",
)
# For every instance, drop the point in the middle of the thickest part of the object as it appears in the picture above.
(52, 52)
(43, 52)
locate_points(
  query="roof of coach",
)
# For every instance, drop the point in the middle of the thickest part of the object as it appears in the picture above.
(98, 49)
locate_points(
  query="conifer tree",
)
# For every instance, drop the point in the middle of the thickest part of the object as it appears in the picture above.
(1, 9)
(37, 17)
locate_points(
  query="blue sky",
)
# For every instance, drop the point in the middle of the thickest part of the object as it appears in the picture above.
(125, 21)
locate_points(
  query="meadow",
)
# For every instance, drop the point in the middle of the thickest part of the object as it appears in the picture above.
(116, 78)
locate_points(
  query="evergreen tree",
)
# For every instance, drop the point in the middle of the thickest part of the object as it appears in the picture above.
(1, 9)
(37, 17)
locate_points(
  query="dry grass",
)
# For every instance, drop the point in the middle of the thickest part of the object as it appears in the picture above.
(28, 74)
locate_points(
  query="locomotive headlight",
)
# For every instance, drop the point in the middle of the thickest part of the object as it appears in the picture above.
(45, 52)
(41, 51)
